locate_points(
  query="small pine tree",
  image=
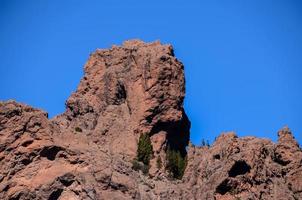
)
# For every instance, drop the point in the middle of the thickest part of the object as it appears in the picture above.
(203, 143)
(176, 163)
(144, 149)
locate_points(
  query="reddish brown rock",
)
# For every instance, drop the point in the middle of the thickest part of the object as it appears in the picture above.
(87, 152)
(246, 168)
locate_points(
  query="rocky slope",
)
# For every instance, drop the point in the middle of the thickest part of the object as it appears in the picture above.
(88, 151)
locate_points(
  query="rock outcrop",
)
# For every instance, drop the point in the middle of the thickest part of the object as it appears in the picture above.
(88, 151)
(246, 168)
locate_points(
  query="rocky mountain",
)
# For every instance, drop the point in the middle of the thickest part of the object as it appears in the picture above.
(125, 135)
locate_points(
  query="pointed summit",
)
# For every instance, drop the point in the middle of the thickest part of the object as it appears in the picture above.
(125, 135)
(285, 137)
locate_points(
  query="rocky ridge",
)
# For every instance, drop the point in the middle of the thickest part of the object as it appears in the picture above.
(87, 152)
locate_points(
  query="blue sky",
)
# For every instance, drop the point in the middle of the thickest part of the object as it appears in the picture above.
(243, 59)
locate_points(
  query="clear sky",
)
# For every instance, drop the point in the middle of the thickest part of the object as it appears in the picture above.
(243, 59)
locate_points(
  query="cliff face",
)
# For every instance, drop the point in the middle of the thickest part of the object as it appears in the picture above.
(88, 151)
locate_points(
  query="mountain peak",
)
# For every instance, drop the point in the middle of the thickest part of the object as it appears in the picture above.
(125, 135)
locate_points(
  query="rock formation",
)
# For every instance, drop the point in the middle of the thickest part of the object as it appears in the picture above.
(88, 151)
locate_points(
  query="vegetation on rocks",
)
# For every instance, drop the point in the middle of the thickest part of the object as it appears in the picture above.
(144, 154)
(78, 129)
(112, 103)
(144, 149)
(205, 143)
(176, 163)
(139, 166)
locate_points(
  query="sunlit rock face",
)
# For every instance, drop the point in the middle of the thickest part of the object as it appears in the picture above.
(88, 151)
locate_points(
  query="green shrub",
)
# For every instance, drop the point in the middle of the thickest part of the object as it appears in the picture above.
(78, 129)
(136, 165)
(145, 169)
(139, 166)
(144, 149)
(203, 143)
(159, 163)
(176, 163)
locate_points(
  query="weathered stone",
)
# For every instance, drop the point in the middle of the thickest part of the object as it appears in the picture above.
(87, 152)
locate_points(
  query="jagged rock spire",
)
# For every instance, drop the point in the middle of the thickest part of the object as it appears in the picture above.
(87, 152)
(286, 137)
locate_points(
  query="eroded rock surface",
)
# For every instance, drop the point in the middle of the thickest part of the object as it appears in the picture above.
(87, 152)
(246, 168)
